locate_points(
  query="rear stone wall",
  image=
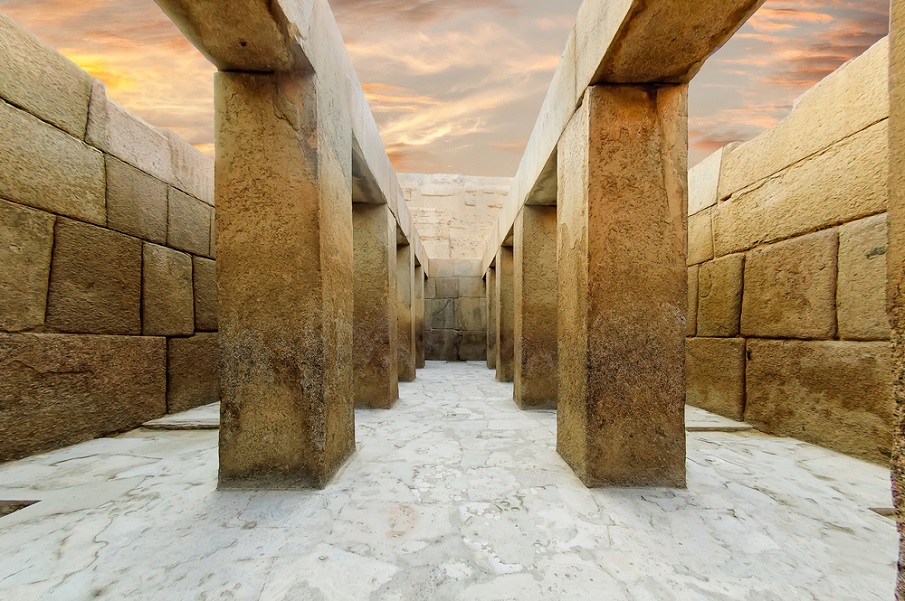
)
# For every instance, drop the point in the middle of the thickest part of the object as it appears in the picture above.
(787, 270)
(108, 294)
(455, 215)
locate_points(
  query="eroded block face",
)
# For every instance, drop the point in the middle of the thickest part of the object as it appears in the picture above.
(193, 378)
(535, 294)
(285, 271)
(720, 296)
(505, 315)
(189, 224)
(790, 289)
(26, 243)
(204, 278)
(405, 341)
(623, 287)
(95, 281)
(491, 319)
(861, 293)
(136, 202)
(375, 330)
(58, 389)
(716, 375)
(168, 306)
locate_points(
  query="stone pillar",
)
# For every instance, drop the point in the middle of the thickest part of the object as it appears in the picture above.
(505, 316)
(405, 282)
(534, 287)
(284, 269)
(491, 318)
(419, 317)
(375, 330)
(896, 266)
(622, 197)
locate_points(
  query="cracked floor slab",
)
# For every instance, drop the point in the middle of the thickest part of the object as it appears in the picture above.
(453, 494)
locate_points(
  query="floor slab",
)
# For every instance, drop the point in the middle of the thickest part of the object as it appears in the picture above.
(453, 494)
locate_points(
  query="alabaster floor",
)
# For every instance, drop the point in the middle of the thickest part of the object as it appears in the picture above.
(454, 494)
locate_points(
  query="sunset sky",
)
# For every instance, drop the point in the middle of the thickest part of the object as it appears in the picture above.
(456, 86)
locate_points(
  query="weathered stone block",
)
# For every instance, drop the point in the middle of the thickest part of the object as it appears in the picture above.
(430, 288)
(843, 183)
(465, 268)
(442, 313)
(715, 369)
(42, 81)
(790, 289)
(505, 314)
(703, 182)
(405, 340)
(57, 390)
(26, 242)
(851, 99)
(470, 315)
(720, 296)
(447, 288)
(472, 346)
(471, 287)
(442, 268)
(193, 375)
(136, 202)
(95, 281)
(193, 171)
(204, 278)
(835, 394)
(861, 293)
(700, 238)
(167, 301)
(441, 345)
(189, 224)
(116, 131)
(691, 320)
(214, 234)
(491, 318)
(45, 168)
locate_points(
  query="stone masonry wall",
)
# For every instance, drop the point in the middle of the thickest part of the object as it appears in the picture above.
(108, 294)
(455, 215)
(787, 270)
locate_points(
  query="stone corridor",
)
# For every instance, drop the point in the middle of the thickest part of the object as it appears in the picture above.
(455, 494)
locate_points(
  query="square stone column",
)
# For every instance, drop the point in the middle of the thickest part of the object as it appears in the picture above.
(284, 269)
(622, 200)
(419, 317)
(534, 288)
(505, 315)
(405, 283)
(374, 329)
(491, 317)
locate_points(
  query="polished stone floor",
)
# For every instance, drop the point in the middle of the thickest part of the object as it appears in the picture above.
(454, 494)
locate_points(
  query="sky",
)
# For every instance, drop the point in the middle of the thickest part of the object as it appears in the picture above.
(456, 86)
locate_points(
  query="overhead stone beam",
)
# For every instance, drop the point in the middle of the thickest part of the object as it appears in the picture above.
(254, 36)
(616, 42)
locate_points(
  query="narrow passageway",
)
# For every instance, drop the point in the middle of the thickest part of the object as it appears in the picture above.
(452, 494)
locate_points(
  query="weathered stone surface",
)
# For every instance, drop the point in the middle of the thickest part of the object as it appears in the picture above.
(116, 131)
(861, 293)
(189, 224)
(790, 289)
(443, 268)
(286, 281)
(835, 394)
(42, 81)
(535, 294)
(472, 346)
(716, 375)
(447, 288)
(214, 235)
(26, 242)
(167, 300)
(703, 182)
(691, 320)
(136, 202)
(622, 184)
(848, 101)
(193, 171)
(505, 315)
(470, 315)
(204, 280)
(843, 183)
(442, 313)
(700, 238)
(441, 345)
(193, 376)
(491, 318)
(43, 167)
(419, 309)
(720, 296)
(405, 339)
(374, 328)
(471, 287)
(57, 390)
(95, 281)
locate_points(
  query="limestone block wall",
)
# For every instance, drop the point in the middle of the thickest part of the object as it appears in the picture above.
(108, 294)
(787, 270)
(454, 215)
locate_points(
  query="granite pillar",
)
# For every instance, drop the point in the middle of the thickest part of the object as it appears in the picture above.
(505, 315)
(405, 283)
(491, 317)
(419, 317)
